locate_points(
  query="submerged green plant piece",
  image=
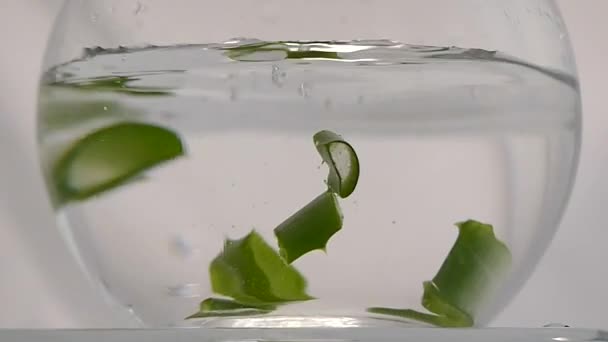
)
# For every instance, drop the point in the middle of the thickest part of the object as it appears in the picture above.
(440, 321)
(111, 156)
(342, 161)
(310, 228)
(252, 273)
(443, 314)
(474, 268)
(278, 50)
(118, 84)
(217, 307)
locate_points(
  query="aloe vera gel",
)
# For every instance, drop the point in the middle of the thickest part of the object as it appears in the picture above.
(311, 184)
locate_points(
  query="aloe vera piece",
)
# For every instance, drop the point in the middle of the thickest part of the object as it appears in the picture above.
(312, 54)
(440, 321)
(342, 161)
(111, 156)
(282, 50)
(217, 307)
(474, 268)
(252, 273)
(310, 228)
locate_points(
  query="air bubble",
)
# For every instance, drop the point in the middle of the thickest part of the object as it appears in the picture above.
(191, 290)
(180, 247)
(304, 90)
(234, 95)
(139, 7)
(278, 76)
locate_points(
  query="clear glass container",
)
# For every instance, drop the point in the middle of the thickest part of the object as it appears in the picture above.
(294, 335)
(310, 164)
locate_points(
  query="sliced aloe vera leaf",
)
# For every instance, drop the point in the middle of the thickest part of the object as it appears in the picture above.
(443, 314)
(440, 321)
(342, 161)
(274, 51)
(312, 54)
(252, 273)
(111, 156)
(475, 266)
(310, 228)
(217, 307)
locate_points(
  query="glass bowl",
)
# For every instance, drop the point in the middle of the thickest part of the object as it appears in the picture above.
(311, 164)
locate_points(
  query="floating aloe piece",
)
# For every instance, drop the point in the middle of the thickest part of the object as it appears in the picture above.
(312, 54)
(216, 307)
(119, 84)
(278, 50)
(342, 161)
(252, 273)
(310, 228)
(474, 268)
(112, 156)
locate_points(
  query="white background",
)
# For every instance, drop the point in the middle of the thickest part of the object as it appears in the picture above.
(41, 287)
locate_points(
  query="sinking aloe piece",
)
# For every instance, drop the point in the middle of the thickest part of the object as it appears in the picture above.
(252, 273)
(218, 307)
(111, 156)
(476, 265)
(440, 321)
(342, 161)
(443, 314)
(310, 228)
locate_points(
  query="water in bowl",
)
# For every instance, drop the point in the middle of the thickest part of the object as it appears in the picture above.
(442, 135)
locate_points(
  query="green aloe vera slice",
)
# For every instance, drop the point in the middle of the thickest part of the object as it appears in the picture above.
(217, 307)
(110, 156)
(310, 228)
(251, 272)
(342, 161)
(475, 266)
